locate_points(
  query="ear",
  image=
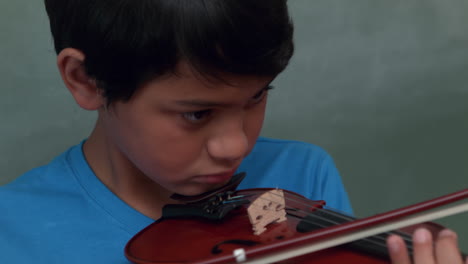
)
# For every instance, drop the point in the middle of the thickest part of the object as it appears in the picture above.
(70, 63)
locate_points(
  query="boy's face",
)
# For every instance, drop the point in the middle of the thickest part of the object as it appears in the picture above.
(187, 134)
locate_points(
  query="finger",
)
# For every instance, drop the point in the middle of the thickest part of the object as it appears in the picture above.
(447, 248)
(397, 250)
(423, 251)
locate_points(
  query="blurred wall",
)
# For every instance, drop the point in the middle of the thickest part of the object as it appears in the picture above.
(382, 85)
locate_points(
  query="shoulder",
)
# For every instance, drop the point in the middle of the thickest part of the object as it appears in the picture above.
(286, 162)
(42, 190)
(283, 155)
(290, 150)
(281, 144)
(297, 166)
(56, 173)
(32, 193)
(42, 205)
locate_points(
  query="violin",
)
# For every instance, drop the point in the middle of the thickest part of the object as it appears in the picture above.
(276, 226)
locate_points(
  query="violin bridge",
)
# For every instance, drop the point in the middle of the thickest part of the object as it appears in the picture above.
(266, 209)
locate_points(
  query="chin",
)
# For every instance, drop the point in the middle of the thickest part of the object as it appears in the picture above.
(197, 189)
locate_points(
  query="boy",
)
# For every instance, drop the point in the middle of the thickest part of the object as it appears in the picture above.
(180, 87)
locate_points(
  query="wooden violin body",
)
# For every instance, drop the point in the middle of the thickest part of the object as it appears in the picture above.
(200, 240)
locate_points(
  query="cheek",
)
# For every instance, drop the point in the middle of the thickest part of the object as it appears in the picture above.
(157, 146)
(254, 122)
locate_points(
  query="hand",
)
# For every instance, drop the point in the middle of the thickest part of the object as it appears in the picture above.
(443, 251)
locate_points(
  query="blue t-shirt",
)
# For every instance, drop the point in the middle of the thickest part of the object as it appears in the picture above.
(62, 213)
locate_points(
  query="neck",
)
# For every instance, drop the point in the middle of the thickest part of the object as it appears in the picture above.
(120, 175)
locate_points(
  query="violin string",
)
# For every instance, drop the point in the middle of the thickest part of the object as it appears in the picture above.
(378, 240)
(405, 236)
(382, 236)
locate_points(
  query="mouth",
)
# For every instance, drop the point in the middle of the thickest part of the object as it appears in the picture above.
(215, 178)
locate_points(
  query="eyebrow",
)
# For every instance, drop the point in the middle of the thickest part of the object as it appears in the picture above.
(204, 103)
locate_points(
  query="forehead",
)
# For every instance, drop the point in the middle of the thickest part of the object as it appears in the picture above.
(187, 81)
(214, 79)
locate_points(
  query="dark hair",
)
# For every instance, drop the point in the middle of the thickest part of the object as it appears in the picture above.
(128, 42)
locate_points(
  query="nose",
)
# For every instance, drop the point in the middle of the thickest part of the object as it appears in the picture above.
(229, 144)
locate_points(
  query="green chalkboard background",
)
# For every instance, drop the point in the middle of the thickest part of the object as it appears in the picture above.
(382, 85)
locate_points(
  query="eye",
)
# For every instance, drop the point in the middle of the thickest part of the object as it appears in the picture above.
(258, 97)
(197, 116)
